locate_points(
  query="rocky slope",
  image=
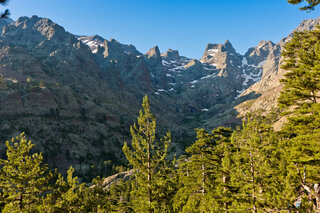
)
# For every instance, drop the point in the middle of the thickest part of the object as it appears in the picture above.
(269, 87)
(76, 96)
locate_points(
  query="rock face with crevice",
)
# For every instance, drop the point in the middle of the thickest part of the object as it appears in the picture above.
(76, 96)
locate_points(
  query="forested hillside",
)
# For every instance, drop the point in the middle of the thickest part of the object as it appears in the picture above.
(252, 168)
(78, 95)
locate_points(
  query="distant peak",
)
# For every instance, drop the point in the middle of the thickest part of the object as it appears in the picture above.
(96, 37)
(227, 42)
(228, 47)
(211, 46)
(112, 40)
(34, 21)
(171, 54)
(153, 52)
(308, 24)
(264, 43)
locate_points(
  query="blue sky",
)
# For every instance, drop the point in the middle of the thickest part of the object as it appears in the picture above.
(185, 25)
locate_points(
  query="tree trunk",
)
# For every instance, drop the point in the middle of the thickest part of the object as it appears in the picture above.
(20, 202)
(317, 195)
(203, 178)
(149, 179)
(254, 208)
(224, 178)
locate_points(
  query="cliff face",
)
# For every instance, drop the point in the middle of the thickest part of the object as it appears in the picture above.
(269, 87)
(76, 96)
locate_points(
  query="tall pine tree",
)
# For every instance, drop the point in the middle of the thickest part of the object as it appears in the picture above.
(203, 176)
(258, 172)
(148, 155)
(300, 100)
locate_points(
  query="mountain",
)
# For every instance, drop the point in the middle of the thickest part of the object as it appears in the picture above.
(76, 96)
(268, 88)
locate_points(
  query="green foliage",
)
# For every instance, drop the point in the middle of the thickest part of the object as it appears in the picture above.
(24, 180)
(153, 185)
(311, 4)
(6, 13)
(250, 169)
(203, 176)
(68, 196)
(259, 168)
(300, 100)
(41, 84)
(300, 95)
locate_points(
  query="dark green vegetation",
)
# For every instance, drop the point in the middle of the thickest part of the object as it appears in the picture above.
(252, 168)
(6, 13)
(310, 4)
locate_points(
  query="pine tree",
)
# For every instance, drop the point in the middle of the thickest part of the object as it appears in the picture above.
(224, 188)
(311, 4)
(68, 195)
(6, 13)
(300, 95)
(300, 100)
(258, 173)
(148, 158)
(203, 173)
(24, 180)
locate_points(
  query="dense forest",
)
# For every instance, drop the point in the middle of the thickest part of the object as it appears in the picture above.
(249, 168)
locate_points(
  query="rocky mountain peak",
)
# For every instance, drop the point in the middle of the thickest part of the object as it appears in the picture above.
(112, 40)
(265, 45)
(113, 49)
(116, 50)
(43, 25)
(308, 24)
(212, 47)
(217, 52)
(171, 55)
(37, 31)
(269, 86)
(96, 37)
(257, 55)
(227, 47)
(154, 52)
(94, 42)
(210, 52)
(193, 62)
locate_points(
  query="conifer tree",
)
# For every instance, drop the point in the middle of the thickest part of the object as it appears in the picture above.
(300, 99)
(68, 195)
(6, 13)
(311, 4)
(300, 96)
(204, 173)
(257, 173)
(24, 180)
(148, 155)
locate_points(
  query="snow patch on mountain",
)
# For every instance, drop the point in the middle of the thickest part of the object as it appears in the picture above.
(93, 44)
